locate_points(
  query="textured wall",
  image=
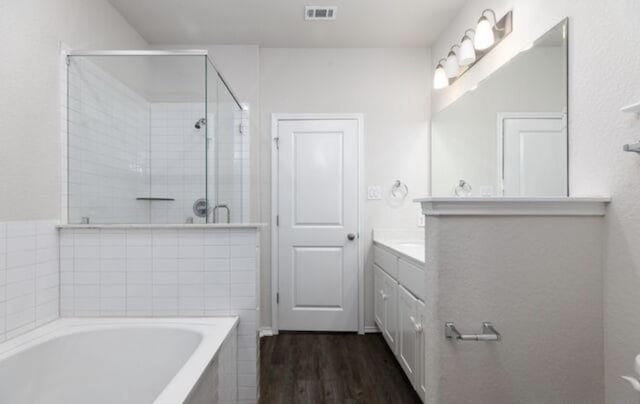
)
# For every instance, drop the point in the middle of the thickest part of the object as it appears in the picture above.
(600, 34)
(539, 280)
(31, 32)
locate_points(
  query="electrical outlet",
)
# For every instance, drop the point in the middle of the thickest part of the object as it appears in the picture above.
(420, 220)
(374, 193)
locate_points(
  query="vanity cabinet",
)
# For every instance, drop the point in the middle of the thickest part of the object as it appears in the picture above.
(386, 304)
(408, 354)
(400, 312)
(421, 378)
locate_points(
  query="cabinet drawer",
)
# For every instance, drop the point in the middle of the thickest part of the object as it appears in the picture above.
(412, 278)
(387, 261)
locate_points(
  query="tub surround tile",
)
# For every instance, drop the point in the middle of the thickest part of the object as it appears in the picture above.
(166, 272)
(29, 276)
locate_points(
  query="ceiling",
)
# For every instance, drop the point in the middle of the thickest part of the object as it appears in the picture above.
(280, 23)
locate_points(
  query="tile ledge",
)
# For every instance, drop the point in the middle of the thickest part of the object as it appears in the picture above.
(509, 206)
(164, 226)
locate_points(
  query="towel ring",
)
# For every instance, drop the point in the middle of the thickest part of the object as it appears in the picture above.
(399, 190)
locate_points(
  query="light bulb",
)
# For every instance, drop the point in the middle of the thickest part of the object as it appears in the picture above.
(440, 79)
(466, 54)
(484, 37)
(451, 66)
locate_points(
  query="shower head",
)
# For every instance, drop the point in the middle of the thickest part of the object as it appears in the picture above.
(201, 122)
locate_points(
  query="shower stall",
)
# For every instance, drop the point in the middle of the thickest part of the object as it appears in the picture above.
(153, 137)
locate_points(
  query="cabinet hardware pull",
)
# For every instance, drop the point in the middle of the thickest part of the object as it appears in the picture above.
(416, 327)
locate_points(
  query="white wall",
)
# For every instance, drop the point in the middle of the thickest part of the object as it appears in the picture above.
(604, 49)
(30, 98)
(391, 88)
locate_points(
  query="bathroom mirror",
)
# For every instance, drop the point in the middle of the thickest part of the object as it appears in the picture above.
(508, 136)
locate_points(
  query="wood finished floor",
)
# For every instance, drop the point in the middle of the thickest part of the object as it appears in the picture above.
(310, 368)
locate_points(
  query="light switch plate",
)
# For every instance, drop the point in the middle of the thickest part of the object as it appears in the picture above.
(374, 193)
(420, 219)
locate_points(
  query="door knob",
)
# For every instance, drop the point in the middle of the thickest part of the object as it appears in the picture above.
(351, 236)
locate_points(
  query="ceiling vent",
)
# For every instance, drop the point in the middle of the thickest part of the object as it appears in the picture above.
(320, 12)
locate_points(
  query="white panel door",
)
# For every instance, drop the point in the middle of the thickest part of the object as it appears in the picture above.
(318, 225)
(407, 340)
(535, 156)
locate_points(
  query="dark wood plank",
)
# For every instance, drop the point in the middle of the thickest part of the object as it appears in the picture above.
(331, 368)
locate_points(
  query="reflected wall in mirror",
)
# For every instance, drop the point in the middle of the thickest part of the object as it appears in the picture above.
(508, 136)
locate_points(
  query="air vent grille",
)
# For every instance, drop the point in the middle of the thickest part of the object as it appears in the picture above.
(320, 12)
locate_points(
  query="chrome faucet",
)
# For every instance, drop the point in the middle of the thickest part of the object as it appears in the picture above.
(215, 212)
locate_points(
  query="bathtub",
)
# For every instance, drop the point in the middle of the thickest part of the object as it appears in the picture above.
(124, 361)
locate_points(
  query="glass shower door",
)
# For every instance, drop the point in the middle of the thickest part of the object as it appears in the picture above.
(225, 158)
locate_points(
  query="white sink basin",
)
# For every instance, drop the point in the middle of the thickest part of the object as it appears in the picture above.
(413, 249)
(410, 244)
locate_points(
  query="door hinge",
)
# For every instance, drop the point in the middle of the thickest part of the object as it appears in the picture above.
(277, 140)
(277, 220)
(278, 298)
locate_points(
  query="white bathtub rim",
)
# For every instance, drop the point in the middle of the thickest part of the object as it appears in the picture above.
(186, 378)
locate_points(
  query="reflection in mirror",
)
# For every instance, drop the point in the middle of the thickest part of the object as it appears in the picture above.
(508, 137)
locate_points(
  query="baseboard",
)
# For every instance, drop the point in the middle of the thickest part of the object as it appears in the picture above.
(266, 332)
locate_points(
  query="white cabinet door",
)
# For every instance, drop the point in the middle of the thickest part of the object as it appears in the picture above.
(390, 320)
(421, 384)
(378, 296)
(407, 339)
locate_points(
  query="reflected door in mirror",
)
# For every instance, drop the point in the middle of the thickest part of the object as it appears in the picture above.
(534, 155)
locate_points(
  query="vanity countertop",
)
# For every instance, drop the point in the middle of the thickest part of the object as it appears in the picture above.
(409, 244)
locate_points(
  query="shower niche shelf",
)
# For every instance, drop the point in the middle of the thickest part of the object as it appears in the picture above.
(156, 199)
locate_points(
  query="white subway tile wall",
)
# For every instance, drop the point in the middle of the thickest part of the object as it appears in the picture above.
(29, 278)
(178, 160)
(178, 163)
(108, 147)
(166, 272)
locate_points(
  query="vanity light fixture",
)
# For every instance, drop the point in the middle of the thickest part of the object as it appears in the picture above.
(451, 66)
(485, 37)
(474, 45)
(440, 79)
(467, 52)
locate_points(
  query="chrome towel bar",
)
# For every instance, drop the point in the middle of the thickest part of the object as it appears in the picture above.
(489, 333)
